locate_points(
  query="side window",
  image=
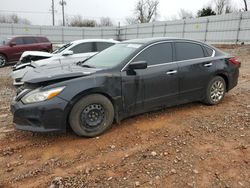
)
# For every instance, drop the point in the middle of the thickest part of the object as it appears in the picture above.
(29, 40)
(209, 51)
(83, 48)
(187, 50)
(18, 41)
(156, 54)
(100, 46)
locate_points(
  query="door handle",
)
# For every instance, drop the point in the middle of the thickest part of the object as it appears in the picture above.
(171, 72)
(208, 64)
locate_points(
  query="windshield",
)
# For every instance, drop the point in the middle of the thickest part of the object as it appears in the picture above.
(59, 50)
(4, 40)
(112, 56)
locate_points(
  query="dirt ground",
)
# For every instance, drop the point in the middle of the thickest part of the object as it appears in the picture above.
(191, 145)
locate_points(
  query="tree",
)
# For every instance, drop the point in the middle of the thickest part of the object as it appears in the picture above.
(245, 3)
(229, 9)
(131, 20)
(78, 21)
(220, 6)
(207, 11)
(106, 22)
(224, 7)
(14, 19)
(184, 14)
(146, 10)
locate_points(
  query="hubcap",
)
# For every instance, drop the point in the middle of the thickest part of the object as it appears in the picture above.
(2, 61)
(217, 91)
(92, 116)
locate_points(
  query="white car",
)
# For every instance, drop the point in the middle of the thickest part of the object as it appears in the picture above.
(73, 52)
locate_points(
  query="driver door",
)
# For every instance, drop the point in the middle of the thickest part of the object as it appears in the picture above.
(154, 87)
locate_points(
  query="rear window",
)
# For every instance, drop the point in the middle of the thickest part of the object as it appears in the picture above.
(209, 51)
(29, 40)
(42, 39)
(187, 50)
(100, 46)
(83, 48)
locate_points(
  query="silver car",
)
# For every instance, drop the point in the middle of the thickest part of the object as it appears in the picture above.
(72, 52)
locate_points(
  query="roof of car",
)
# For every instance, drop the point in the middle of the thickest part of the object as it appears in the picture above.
(94, 40)
(157, 39)
(14, 36)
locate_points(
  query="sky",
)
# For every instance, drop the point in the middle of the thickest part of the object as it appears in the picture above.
(39, 11)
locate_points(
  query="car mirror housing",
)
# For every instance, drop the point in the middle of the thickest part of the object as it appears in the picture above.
(12, 44)
(138, 65)
(68, 53)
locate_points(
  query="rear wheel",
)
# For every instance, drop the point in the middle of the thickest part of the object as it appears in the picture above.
(92, 115)
(3, 60)
(216, 90)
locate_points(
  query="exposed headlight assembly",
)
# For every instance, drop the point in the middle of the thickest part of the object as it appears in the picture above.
(39, 96)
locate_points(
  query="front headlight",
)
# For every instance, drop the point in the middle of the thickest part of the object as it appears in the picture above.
(39, 96)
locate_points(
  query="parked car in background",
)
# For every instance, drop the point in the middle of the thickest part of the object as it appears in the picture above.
(72, 52)
(129, 78)
(12, 48)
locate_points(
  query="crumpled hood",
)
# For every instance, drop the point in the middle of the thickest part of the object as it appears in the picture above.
(35, 53)
(52, 73)
(57, 60)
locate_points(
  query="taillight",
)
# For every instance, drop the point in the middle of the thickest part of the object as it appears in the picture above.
(235, 61)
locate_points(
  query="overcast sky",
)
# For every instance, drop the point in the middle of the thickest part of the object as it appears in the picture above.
(38, 11)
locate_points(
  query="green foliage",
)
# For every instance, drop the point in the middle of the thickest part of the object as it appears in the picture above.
(207, 11)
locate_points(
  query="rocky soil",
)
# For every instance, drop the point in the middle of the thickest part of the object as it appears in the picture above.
(191, 145)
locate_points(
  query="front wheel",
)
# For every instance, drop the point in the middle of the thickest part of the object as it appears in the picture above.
(215, 91)
(3, 60)
(92, 115)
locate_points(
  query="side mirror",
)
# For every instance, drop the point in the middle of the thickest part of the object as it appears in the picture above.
(12, 44)
(68, 53)
(138, 65)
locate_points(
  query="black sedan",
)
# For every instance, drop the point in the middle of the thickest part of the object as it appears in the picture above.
(129, 78)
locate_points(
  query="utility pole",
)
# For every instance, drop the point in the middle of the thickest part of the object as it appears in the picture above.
(53, 13)
(63, 3)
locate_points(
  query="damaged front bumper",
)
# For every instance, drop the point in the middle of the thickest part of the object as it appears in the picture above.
(44, 116)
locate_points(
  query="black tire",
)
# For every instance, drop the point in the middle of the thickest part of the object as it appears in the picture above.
(3, 60)
(94, 107)
(215, 91)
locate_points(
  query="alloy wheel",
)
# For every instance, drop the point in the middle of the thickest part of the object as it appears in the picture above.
(217, 91)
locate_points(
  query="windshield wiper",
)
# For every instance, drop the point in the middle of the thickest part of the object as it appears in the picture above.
(88, 66)
(81, 62)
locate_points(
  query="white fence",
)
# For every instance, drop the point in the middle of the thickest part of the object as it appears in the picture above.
(226, 29)
(229, 28)
(58, 34)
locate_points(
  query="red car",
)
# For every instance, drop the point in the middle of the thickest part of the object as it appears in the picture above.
(12, 48)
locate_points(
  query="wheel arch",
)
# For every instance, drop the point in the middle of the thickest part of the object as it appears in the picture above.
(225, 77)
(1, 53)
(88, 92)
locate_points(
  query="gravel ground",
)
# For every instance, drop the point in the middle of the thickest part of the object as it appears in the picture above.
(191, 145)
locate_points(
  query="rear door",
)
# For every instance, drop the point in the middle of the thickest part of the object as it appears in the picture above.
(195, 70)
(31, 44)
(156, 86)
